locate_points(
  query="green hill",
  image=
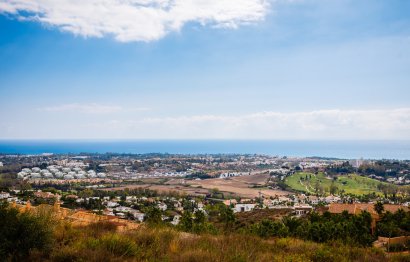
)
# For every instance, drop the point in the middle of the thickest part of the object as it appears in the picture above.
(350, 184)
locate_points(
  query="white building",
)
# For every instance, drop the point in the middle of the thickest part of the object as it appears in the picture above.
(162, 206)
(138, 215)
(4, 195)
(243, 207)
(176, 220)
(48, 175)
(35, 175)
(59, 174)
(123, 209)
(314, 200)
(21, 175)
(26, 170)
(301, 210)
(332, 199)
(112, 204)
(68, 177)
(66, 169)
(101, 175)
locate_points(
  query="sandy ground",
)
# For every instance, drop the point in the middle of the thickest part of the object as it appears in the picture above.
(236, 186)
(241, 186)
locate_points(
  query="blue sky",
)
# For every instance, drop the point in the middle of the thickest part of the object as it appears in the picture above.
(249, 69)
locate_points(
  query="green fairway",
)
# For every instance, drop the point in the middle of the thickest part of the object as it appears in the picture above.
(350, 184)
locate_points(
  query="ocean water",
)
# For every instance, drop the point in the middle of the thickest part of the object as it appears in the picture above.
(337, 149)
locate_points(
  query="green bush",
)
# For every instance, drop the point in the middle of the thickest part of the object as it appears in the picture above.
(21, 233)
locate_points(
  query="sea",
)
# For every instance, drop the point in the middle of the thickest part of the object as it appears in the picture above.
(293, 148)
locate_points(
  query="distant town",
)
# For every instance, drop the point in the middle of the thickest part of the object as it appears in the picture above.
(130, 190)
(244, 182)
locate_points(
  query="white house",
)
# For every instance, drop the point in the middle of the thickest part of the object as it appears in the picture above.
(66, 169)
(68, 177)
(13, 199)
(4, 195)
(59, 174)
(314, 200)
(35, 175)
(123, 209)
(21, 175)
(101, 175)
(332, 199)
(243, 207)
(162, 206)
(176, 220)
(112, 204)
(302, 209)
(137, 215)
(48, 175)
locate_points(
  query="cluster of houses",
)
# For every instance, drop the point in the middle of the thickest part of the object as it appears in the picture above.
(299, 204)
(164, 174)
(113, 207)
(401, 180)
(233, 174)
(246, 205)
(121, 208)
(58, 172)
(128, 208)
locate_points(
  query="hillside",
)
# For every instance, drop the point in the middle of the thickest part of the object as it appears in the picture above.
(48, 238)
(349, 184)
(100, 242)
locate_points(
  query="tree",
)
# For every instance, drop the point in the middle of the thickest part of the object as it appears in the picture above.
(333, 188)
(269, 228)
(186, 223)
(86, 193)
(199, 217)
(292, 223)
(378, 207)
(153, 216)
(21, 233)
(227, 217)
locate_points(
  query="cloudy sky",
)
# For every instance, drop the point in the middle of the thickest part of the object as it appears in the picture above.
(204, 69)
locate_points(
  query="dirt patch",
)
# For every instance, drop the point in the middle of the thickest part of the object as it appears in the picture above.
(240, 186)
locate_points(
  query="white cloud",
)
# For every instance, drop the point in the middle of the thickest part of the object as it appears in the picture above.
(135, 20)
(92, 108)
(117, 123)
(321, 124)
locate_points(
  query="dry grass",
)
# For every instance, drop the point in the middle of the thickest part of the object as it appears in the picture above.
(101, 243)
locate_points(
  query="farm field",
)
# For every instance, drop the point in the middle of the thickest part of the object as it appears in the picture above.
(163, 189)
(241, 186)
(350, 184)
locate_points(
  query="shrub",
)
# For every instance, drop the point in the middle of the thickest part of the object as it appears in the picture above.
(21, 233)
(119, 246)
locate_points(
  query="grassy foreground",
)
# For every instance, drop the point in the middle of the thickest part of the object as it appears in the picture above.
(350, 184)
(40, 236)
(101, 243)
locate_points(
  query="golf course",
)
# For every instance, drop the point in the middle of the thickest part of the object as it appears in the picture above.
(348, 184)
